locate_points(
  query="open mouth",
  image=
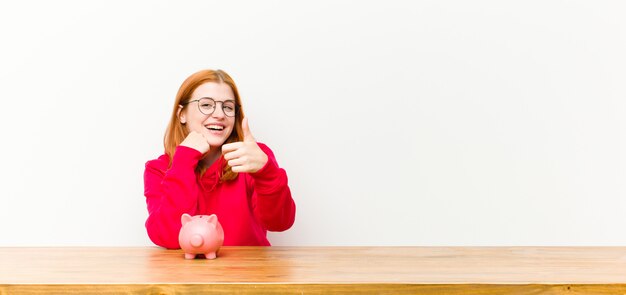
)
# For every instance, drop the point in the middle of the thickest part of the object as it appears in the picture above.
(215, 127)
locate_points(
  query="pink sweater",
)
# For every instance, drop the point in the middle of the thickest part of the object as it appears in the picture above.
(247, 207)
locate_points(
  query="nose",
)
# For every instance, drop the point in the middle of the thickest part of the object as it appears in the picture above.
(218, 112)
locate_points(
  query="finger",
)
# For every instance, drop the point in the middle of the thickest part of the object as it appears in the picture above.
(236, 162)
(247, 135)
(239, 169)
(234, 154)
(233, 146)
(205, 136)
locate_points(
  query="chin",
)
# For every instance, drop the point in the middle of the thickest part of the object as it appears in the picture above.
(216, 140)
(216, 143)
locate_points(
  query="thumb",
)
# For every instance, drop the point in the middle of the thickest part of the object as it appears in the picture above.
(247, 135)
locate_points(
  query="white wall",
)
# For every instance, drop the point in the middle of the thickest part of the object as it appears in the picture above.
(398, 122)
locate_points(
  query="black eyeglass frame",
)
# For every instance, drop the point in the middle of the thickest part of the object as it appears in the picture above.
(215, 106)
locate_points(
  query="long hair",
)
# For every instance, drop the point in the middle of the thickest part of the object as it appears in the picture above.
(176, 131)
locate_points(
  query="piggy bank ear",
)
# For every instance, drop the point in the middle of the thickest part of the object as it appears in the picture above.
(185, 218)
(212, 219)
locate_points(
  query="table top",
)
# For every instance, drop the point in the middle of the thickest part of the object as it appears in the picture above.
(315, 266)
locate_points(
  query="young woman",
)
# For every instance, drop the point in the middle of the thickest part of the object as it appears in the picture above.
(213, 165)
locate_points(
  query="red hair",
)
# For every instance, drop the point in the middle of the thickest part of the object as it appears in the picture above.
(176, 131)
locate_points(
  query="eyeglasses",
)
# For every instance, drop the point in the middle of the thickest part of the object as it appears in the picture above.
(206, 105)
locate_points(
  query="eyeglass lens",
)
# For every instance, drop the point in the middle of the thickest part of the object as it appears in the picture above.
(207, 106)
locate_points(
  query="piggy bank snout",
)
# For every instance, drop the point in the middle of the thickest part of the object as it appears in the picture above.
(196, 240)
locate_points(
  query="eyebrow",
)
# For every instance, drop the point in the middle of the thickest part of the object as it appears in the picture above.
(233, 100)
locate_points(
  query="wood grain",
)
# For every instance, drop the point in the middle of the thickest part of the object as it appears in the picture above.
(316, 270)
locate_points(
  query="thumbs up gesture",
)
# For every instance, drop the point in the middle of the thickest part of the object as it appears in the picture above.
(246, 155)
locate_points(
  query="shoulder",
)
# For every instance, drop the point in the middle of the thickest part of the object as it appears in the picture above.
(266, 149)
(161, 163)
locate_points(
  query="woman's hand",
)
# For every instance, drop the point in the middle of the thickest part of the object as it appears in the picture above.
(196, 141)
(246, 155)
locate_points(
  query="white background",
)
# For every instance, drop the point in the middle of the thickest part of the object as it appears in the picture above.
(398, 122)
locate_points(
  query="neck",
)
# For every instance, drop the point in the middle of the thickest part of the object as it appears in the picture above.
(212, 156)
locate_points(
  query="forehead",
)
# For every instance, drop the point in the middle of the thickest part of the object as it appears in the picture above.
(218, 91)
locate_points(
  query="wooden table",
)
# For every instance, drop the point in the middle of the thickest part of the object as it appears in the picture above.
(316, 270)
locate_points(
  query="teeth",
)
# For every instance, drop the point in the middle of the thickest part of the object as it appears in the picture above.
(215, 127)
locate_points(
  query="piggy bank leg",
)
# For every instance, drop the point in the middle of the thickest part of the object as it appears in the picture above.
(190, 256)
(210, 255)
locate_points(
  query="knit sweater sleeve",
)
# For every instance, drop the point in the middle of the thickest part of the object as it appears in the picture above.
(170, 192)
(272, 202)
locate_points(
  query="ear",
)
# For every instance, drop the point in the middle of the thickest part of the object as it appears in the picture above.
(213, 219)
(181, 115)
(185, 218)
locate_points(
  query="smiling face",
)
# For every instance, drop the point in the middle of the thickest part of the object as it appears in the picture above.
(217, 126)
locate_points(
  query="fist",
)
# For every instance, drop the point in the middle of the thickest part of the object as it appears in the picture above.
(196, 141)
(246, 155)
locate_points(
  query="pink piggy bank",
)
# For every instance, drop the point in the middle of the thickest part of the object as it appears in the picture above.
(200, 234)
